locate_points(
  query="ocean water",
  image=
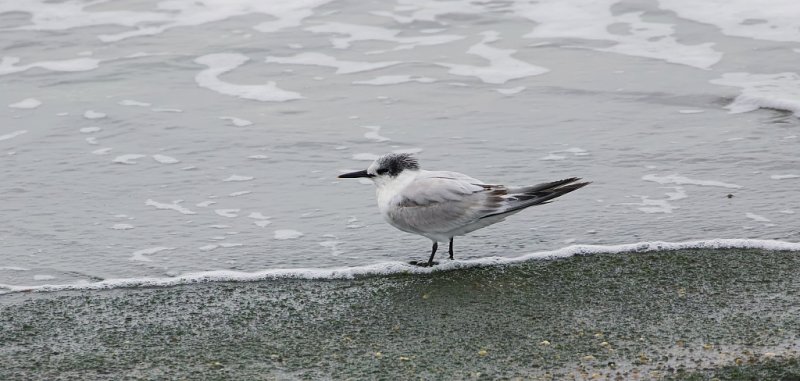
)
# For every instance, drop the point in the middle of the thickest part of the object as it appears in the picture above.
(160, 142)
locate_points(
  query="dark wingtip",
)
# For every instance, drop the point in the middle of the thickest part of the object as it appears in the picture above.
(568, 185)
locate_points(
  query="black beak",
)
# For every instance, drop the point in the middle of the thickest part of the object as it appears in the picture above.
(353, 175)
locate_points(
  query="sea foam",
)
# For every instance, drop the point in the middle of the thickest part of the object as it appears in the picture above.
(342, 66)
(774, 91)
(502, 66)
(775, 20)
(27, 103)
(221, 63)
(8, 65)
(396, 267)
(593, 19)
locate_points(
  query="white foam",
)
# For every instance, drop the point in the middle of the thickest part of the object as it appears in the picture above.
(258, 216)
(394, 80)
(577, 151)
(122, 227)
(374, 135)
(681, 180)
(131, 102)
(46, 15)
(258, 157)
(553, 157)
(89, 130)
(757, 217)
(648, 205)
(774, 91)
(127, 158)
(8, 65)
(139, 255)
(220, 245)
(13, 268)
(786, 211)
(592, 19)
(260, 219)
(222, 63)
(205, 204)
(397, 267)
(92, 140)
(333, 245)
(651, 206)
(41, 277)
(229, 213)
(678, 194)
(774, 20)
(164, 159)
(352, 223)
(510, 90)
(238, 122)
(27, 103)
(262, 223)
(91, 114)
(502, 66)
(162, 109)
(691, 111)
(283, 234)
(13, 135)
(287, 14)
(355, 33)
(410, 11)
(320, 59)
(783, 177)
(174, 206)
(239, 193)
(238, 178)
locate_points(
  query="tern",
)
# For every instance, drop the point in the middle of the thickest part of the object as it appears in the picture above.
(441, 205)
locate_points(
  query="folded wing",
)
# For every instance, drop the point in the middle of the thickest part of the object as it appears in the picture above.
(440, 205)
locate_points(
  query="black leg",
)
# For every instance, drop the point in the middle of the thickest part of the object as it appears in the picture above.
(433, 252)
(451, 248)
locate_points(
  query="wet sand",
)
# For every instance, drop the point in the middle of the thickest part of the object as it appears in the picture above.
(686, 314)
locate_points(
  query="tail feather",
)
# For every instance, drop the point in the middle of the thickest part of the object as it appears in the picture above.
(539, 194)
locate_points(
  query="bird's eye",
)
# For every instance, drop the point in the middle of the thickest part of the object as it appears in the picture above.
(382, 171)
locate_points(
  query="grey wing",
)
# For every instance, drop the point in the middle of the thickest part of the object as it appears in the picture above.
(442, 207)
(438, 205)
(450, 175)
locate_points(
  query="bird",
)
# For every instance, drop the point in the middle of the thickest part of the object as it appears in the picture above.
(440, 205)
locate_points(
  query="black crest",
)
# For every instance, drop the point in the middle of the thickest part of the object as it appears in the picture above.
(394, 163)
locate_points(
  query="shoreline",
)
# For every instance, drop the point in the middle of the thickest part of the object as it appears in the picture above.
(646, 315)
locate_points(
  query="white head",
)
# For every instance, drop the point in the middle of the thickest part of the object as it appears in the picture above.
(386, 168)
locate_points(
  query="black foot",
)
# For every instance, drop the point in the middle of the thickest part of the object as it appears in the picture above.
(421, 264)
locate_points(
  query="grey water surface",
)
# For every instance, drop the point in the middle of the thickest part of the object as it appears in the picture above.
(126, 169)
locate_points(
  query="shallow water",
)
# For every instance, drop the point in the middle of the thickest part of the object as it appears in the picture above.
(153, 139)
